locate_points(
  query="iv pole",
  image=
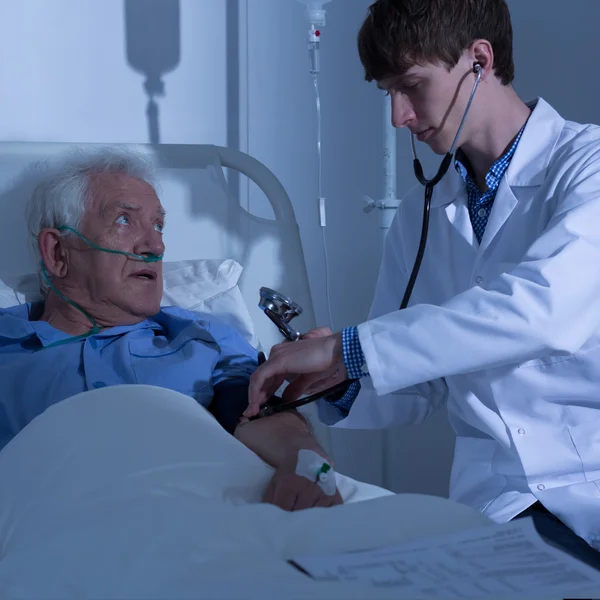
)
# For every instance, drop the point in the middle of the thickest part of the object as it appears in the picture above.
(387, 209)
(389, 204)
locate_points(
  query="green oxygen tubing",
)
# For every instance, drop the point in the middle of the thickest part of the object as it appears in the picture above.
(150, 258)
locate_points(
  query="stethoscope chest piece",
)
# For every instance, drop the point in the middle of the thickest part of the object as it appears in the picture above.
(281, 310)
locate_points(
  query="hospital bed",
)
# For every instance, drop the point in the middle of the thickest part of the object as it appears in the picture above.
(79, 509)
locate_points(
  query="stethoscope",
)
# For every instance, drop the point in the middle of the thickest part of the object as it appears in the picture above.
(430, 185)
(281, 310)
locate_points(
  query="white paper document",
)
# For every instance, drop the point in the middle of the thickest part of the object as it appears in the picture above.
(509, 559)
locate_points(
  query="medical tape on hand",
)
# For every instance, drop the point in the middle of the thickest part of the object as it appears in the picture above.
(312, 466)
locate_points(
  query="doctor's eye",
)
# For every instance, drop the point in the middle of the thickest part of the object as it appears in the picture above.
(122, 220)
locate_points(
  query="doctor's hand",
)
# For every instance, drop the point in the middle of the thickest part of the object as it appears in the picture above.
(319, 332)
(317, 362)
(292, 492)
(328, 378)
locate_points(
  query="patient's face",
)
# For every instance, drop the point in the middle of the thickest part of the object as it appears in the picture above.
(124, 214)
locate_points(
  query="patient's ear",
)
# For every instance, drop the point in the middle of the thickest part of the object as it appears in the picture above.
(52, 252)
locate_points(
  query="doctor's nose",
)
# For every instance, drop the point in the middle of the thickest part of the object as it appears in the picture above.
(402, 111)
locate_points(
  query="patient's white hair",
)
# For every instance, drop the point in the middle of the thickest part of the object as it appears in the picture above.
(63, 192)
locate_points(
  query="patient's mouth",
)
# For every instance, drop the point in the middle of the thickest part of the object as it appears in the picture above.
(145, 275)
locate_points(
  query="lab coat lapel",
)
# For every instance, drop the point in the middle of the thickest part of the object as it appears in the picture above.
(458, 215)
(451, 195)
(448, 189)
(528, 166)
(504, 204)
(527, 169)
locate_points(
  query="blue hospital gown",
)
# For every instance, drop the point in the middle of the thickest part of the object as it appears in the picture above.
(186, 352)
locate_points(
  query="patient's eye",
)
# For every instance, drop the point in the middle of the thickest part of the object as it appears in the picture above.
(122, 220)
(159, 227)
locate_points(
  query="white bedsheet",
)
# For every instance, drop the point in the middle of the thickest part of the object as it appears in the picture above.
(136, 492)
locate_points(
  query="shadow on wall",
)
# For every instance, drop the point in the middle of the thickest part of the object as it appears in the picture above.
(153, 41)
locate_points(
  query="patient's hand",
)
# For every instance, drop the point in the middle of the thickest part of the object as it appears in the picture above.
(292, 492)
(278, 440)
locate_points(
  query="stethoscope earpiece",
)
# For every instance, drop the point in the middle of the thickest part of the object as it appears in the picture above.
(477, 68)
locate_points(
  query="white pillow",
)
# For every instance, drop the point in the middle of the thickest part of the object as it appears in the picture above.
(9, 297)
(209, 286)
(205, 285)
(18, 290)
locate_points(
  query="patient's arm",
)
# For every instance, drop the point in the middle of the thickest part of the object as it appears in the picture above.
(277, 439)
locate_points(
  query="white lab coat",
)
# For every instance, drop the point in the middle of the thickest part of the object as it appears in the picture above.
(506, 332)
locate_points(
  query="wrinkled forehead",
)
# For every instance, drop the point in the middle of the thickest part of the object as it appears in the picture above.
(110, 191)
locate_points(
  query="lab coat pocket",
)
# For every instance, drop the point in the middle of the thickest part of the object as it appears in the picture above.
(473, 480)
(586, 439)
(184, 365)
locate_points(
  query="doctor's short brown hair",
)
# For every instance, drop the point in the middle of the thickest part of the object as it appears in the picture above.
(398, 34)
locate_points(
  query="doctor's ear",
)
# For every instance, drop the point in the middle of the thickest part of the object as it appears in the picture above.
(482, 55)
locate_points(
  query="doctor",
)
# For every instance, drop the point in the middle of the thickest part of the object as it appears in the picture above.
(503, 325)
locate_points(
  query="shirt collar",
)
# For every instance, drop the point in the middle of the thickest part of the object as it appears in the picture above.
(15, 324)
(497, 170)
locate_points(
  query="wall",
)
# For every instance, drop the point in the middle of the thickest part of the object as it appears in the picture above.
(66, 76)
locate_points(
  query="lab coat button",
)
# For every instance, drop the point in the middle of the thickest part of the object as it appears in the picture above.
(99, 384)
(521, 432)
(364, 368)
(541, 487)
(479, 280)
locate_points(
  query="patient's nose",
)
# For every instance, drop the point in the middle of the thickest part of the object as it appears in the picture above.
(151, 242)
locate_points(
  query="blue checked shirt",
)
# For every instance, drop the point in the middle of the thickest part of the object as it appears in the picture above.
(480, 207)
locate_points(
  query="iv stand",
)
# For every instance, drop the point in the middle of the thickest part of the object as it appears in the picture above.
(389, 204)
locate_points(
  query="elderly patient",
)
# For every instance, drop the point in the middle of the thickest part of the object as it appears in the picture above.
(100, 323)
